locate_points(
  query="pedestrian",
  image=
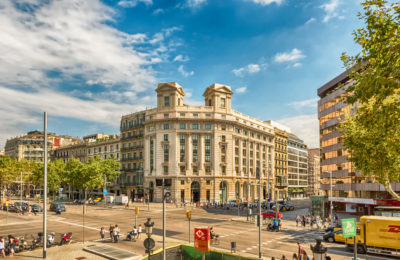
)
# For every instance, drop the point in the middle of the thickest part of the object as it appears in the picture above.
(295, 257)
(11, 244)
(135, 234)
(305, 256)
(2, 250)
(140, 230)
(111, 230)
(116, 231)
(297, 220)
(327, 257)
(318, 221)
(336, 220)
(273, 258)
(102, 233)
(300, 249)
(303, 221)
(284, 257)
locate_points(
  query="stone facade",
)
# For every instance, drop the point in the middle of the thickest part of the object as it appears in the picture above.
(208, 153)
(281, 169)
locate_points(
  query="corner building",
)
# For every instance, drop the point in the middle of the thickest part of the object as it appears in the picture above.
(208, 153)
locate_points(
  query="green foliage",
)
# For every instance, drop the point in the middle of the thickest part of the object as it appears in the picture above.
(372, 131)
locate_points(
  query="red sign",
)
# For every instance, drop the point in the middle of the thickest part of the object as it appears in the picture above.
(394, 229)
(202, 239)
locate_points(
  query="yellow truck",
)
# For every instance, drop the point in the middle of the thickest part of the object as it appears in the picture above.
(377, 234)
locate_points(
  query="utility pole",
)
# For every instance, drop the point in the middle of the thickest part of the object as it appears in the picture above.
(104, 190)
(45, 188)
(21, 189)
(259, 213)
(164, 233)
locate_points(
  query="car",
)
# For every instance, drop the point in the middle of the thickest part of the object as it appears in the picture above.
(98, 199)
(55, 205)
(283, 207)
(271, 214)
(332, 228)
(19, 204)
(11, 207)
(334, 236)
(36, 208)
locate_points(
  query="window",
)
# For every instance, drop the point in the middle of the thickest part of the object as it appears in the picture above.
(99, 149)
(166, 137)
(237, 130)
(166, 153)
(208, 126)
(195, 147)
(195, 169)
(195, 126)
(165, 169)
(166, 115)
(208, 169)
(208, 115)
(222, 102)
(209, 102)
(195, 115)
(182, 149)
(207, 148)
(166, 126)
(208, 182)
(223, 116)
(223, 169)
(182, 169)
(182, 114)
(182, 182)
(182, 126)
(151, 155)
(166, 101)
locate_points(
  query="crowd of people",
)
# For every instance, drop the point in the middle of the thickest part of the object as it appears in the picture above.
(114, 232)
(314, 220)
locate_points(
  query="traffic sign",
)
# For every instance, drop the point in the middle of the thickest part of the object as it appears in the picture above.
(105, 192)
(202, 239)
(60, 190)
(349, 227)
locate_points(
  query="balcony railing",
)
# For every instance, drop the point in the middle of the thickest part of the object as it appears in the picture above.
(132, 137)
(123, 149)
(133, 169)
(132, 159)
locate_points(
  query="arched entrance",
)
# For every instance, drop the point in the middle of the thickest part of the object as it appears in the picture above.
(237, 190)
(223, 191)
(195, 191)
(245, 191)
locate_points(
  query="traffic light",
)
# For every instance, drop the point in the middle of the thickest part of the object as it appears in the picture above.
(188, 214)
(137, 210)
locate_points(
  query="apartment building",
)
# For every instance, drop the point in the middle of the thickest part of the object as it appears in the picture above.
(351, 191)
(30, 146)
(132, 154)
(313, 172)
(297, 167)
(206, 153)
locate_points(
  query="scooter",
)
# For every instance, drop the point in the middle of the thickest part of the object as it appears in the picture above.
(50, 239)
(66, 238)
(270, 227)
(131, 236)
(36, 241)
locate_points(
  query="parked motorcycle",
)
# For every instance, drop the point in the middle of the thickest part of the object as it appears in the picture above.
(51, 239)
(66, 238)
(270, 227)
(36, 242)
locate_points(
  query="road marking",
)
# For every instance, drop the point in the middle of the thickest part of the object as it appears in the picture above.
(78, 225)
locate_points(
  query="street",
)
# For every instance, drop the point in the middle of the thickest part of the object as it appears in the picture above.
(244, 234)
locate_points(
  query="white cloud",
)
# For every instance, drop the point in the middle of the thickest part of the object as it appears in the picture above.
(133, 3)
(294, 55)
(304, 126)
(158, 11)
(267, 2)
(304, 103)
(311, 20)
(193, 4)
(72, 39)
(185, 73)
(241, 90)
(181, 58)
(330, 10)
(20, 108)
(250, 69)
(297, 64)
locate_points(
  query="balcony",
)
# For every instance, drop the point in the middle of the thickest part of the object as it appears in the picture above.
(124, 149)
(131, 126)
(132, 159)
(132, 169)
(132, 137)
(359, 187)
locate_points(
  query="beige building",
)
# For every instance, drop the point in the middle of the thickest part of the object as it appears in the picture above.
(30, 146)
(314, 172)
(132, 154)
(281, 169)
(207, 153)
(297, 167)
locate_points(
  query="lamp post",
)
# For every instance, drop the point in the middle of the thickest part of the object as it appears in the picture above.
(331, 206)
(149, 242)
(318, 250)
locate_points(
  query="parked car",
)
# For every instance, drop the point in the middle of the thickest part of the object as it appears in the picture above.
(55, 205)
(232, 203)
(332, 228)
(334, 236)
(11, 207)
(271, 214)
(36, 208)
(22, 204)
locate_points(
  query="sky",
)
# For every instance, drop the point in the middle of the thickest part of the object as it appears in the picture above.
(87, 62)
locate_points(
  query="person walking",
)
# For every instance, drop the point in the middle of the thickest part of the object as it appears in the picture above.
(303, 221)
(111, 230)
(102, 233)
(336, 220)
(135, 234)
(300, 249)
(2, 247)
(116, 231)
(305, 256)
(295, 257)
(11, 244)
(139, 230)
(297, 220)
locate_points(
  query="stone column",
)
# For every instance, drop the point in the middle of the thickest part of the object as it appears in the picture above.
(201, 151)
(188, 153)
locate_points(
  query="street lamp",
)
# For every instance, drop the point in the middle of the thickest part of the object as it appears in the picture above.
(318, 250)
(149, 242)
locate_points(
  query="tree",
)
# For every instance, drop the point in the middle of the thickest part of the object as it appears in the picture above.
(55, 174)
(372, 130)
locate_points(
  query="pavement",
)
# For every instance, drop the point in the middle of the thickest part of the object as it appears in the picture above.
(245, 234)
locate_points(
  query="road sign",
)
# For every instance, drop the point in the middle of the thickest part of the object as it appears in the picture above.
(149, 243)
(349, 227)
(202, 239)
(60, 190)
(105, 192)
(136, 210)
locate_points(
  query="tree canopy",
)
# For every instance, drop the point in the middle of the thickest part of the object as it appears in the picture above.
(372, 130)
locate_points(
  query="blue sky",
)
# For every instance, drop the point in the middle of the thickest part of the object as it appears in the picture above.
(88, 62)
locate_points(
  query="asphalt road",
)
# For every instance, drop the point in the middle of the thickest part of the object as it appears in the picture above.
(244, 234)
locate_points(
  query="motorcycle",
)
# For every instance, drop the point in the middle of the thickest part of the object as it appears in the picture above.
(131, 236)
(66, 238)
(36, 241)
(51, 239)
(270, 227)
